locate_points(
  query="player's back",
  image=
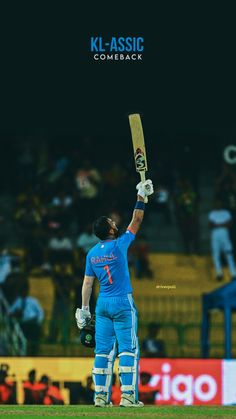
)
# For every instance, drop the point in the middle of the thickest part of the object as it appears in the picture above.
(108, 262)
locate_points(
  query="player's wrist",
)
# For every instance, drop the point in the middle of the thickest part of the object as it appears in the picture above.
(141, 192)
(86, 308)
(140, 198)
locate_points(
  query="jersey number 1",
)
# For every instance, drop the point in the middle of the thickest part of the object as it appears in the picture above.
(106, 267)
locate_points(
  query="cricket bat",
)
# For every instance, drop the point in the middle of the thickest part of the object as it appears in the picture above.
(140, 157)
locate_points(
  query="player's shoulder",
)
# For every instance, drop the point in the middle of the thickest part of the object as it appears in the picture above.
(129, 232)
(226, 213)
(215, 213)
(93, 249)
(127, 235)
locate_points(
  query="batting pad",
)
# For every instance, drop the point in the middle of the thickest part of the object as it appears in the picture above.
(102, 373)
(128, 372)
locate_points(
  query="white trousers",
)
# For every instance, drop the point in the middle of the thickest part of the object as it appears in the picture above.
(221, 243)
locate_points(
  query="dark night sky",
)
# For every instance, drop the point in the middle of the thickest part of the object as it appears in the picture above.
(185, 84)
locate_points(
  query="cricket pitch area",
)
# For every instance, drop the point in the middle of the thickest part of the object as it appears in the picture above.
(79, 411)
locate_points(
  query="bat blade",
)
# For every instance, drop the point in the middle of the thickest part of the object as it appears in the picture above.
(138, 143)
(140, 157)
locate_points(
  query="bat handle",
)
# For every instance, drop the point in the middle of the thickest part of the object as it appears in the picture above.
(143, 178)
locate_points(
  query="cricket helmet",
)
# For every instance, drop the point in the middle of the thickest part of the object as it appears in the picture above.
(87, 335)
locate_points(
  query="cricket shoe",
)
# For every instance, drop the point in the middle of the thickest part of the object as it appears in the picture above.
(128, 400)
(101, 401)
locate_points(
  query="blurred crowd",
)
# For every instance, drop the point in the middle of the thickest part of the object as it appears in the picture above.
(57, 197)
(57, 194)
(45, 391)
(42, 391)
(59, 189)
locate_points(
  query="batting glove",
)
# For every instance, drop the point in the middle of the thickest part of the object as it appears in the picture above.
(81, 317)
(145, 188)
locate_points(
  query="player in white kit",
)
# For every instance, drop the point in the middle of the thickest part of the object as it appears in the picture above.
(220, 220)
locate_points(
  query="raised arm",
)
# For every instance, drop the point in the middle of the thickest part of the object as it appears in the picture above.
(144, 189)
(137, 217)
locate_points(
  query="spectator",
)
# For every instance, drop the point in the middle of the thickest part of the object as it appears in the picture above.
(7, 387)
(30, 315)
(87, 239)
(62, 200)
(219, 221)
(60, 321)
(152, 345)
(87, 181)
(50, 394)
(116, 391)
(147, 393)
(32, 389)
(62, 205)
(60, 248)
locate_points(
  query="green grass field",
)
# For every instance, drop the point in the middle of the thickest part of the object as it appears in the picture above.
(165, 412)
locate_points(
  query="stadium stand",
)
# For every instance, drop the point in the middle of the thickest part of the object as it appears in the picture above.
(44, 196)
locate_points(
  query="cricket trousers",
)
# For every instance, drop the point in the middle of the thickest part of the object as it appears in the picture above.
(116, 334)
(221, 243)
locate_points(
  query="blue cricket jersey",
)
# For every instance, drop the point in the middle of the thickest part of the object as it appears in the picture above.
(108, 262)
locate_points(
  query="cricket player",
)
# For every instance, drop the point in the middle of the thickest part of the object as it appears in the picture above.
(116, 314)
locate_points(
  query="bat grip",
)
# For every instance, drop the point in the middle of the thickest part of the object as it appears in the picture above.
(143, 178)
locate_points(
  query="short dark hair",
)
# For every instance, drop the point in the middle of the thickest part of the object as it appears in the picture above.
(101, 227)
